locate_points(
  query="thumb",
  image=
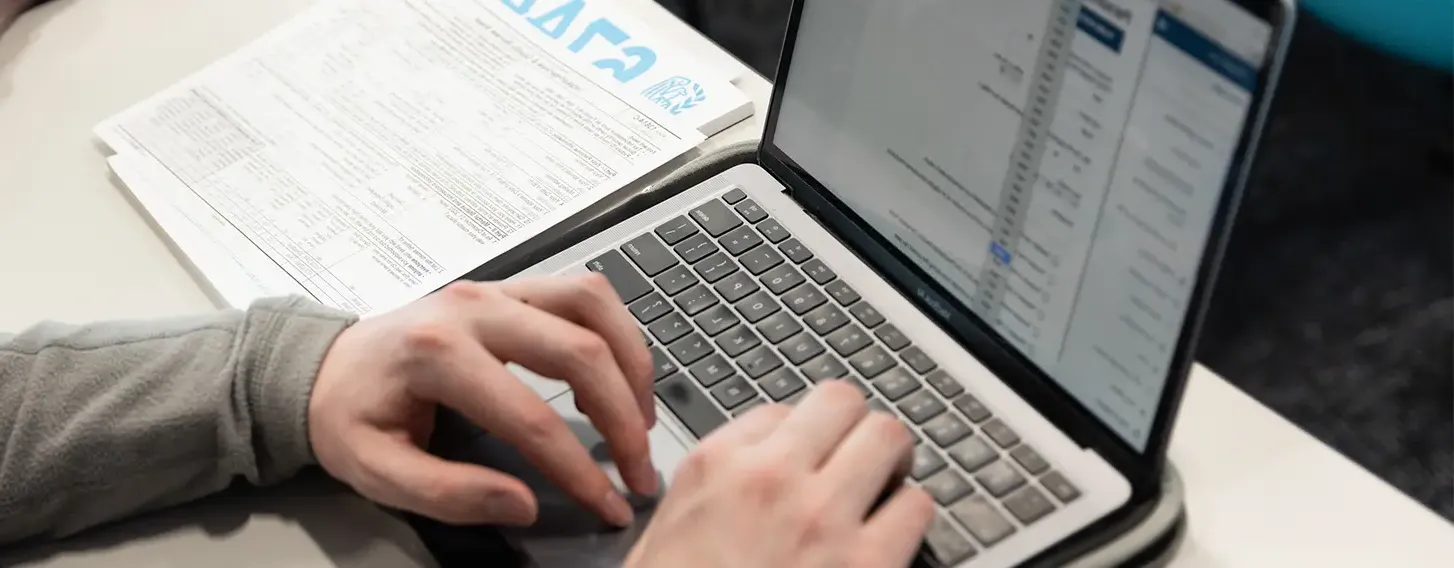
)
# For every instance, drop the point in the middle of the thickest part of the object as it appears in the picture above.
(457, 493)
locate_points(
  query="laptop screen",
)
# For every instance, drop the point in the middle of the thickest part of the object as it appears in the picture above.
(1055, 165)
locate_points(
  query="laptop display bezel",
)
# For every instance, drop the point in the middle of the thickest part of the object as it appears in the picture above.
(1142, 468)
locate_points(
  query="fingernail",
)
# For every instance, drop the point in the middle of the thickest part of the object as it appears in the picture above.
(618, 511)
(646, 476)
(509, 510)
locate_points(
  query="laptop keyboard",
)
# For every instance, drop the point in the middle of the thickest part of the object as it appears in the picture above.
(737, 312)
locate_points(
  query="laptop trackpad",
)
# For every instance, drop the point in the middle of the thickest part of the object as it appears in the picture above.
(566, 534)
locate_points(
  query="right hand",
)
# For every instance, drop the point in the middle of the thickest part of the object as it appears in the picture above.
(792, 488)
(374, 400)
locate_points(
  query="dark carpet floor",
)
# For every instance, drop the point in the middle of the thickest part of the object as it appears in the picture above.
(1335, 306)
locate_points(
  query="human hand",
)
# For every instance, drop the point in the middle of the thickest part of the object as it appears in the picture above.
(374, 401)
(792, 487)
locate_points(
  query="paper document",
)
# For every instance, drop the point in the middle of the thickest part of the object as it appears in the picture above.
(374, 150)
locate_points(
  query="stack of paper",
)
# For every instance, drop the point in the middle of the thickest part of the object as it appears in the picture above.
(369, 151)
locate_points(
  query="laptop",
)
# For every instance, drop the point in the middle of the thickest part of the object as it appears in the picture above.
(1000, 219)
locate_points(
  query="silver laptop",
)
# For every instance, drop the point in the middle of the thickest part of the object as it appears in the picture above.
(1000, 219)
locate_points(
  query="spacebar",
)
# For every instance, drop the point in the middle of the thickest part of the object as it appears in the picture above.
(690, 405)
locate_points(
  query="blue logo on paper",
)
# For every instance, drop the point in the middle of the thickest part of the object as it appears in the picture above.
(676, 94)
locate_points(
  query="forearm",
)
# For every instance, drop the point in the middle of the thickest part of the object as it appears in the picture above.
(108, 420)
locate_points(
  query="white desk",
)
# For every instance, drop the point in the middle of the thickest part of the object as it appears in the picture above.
(1261, 492)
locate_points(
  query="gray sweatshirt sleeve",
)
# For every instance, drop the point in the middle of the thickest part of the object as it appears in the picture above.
(107, 420)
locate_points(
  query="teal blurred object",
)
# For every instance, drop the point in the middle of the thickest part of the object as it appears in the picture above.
(1420, 30)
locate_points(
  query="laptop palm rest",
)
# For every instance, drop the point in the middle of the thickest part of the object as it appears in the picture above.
(565, 533)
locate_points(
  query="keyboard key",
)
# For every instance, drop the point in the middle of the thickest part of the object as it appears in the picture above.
(669, 328)
(945, 544)
(690, 405)
(650, 308)
(627, 282)
(740, 240)
(738, 340)
(1001, 433)
(746, 407)
(715, 267)
(803, 298)
(800, 348)
(778, 327)
(696, 248)
(842, 293)
(972, 408)
(1060, 487)
(757, 306)
(675, 280)
(782, 279)
(734, 195)
(896, 384)
(761, 259)
(690, 349)
(773, 231)
(927, 462)
(866, 314)
(676, 230)
(759, 362)
(696, 300)
(1029, 505)
(877, 404)
(649, 254)
(1029, 459)
(982, 519)
(972, 454)
(892, 337)
(781, 384)
(942, 382)
(733, 392)
(751, 211)
(825, 319)
(735, 287)
(795, 399)
(849, 340)
(947, 487)
(795, 251)
(715, 320)
(947, 429)
(921, 406)
(715, 218)
(999, 478)
(819, 272)
(824, 367)
(661, 365)
(872, 361)
(712, 370)
(917, 360)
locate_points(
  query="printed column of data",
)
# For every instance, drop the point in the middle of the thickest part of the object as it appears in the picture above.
(1054, 195)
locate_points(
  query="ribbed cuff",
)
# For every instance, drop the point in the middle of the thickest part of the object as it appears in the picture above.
(285, 342)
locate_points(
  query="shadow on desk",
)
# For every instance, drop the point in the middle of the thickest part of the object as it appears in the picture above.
(338, 529)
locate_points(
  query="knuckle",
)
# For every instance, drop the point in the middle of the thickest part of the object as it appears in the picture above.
(428, 337)
(764, 480)
(538, 426)
(465, 291)
(588, 348)
(814, 519)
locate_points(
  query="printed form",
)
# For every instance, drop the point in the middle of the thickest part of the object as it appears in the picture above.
(375, 150)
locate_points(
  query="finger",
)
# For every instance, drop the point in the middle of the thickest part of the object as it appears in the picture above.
(399, 474)
(591, 302)
(895, 531)
(750, 428)
(816, 426)
(554, 347)
(470, 380)
(867, 460)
